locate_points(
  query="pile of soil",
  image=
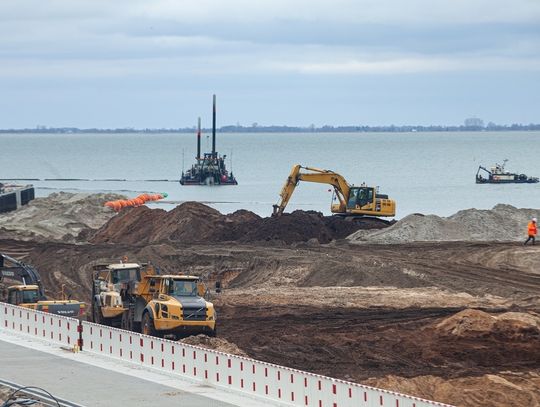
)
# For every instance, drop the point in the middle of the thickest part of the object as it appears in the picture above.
(504, 389)
(219, 344)
(61, 216)
(193, 222)
(502, 223)
(512, 326)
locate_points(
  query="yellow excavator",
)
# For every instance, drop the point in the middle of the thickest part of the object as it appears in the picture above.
(30, 294)
(352, 200)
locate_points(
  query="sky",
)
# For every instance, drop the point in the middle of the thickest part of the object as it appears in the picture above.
(156, 64)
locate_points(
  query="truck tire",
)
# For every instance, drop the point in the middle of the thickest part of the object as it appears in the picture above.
(125, 323)
(96, 314)
(213, 333)
(147, 325)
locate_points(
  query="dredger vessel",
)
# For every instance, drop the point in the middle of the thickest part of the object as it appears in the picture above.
(209, 168)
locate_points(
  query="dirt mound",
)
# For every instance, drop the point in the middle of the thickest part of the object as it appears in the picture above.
(219, 344)
(60, 216)
(295, 227)
(502, 223)
(512, 326)
(491, 390)
(192, 222)
(317, 299)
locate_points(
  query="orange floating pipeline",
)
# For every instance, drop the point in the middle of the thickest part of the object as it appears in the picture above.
(138, 201)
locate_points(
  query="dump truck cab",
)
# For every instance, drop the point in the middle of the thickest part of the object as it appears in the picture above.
(112, 283)
(176, 306)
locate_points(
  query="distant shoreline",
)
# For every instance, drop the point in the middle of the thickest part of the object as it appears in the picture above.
(285, 129)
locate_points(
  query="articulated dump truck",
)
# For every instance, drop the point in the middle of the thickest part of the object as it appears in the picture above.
(137, 297)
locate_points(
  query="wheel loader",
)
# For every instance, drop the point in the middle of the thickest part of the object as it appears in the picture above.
(137, 297)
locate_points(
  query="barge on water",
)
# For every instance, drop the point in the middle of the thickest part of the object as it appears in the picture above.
(14, 196)
(498, 175)
(209, 169)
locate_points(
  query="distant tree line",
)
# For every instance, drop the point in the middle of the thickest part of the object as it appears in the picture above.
(255, 128)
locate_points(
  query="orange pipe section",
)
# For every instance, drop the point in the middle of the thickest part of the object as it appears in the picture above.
(138, 201)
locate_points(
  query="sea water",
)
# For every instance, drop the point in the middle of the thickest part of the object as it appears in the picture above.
(430, 173)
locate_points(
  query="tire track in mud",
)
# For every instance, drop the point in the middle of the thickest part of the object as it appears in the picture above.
(487, 277)
(15, 249)
(349, 343)
(361, 343)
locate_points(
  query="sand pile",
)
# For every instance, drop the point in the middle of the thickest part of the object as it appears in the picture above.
(219, 344)
(192, 222)
(502, 223)
(60, 216)
(514, 326)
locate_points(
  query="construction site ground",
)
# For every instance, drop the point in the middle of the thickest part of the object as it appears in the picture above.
(452, 321)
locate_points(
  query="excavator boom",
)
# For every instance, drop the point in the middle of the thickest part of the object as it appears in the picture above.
(19, 271)
(353, 200)
(339, 183)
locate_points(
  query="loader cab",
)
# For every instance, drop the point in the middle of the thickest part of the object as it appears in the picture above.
(125, 274)
(21, 294)
(360, 196)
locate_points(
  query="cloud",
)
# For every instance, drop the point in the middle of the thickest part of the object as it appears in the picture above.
(431, 12)
(66, 46)
(410, 65)
(103, 28)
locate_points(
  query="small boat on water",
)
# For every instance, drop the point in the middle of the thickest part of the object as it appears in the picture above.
(14, 196)
(498, 175)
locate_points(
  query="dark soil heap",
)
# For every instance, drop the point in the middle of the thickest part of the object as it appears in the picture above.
(192, 222)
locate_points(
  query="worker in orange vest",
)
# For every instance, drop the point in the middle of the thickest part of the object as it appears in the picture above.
(531, 230)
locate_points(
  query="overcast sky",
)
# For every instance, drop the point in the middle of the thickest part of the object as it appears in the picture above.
(156, 63)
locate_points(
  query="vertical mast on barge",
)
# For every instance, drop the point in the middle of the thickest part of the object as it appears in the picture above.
(210, 168)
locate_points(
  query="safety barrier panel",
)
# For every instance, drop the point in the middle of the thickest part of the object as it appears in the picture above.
(53, 328)
(248, 376)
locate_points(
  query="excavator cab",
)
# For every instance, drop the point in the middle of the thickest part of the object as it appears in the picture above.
(23, 294)
(360, 197)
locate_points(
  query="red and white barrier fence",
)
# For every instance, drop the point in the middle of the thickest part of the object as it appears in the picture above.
(52, 328)
(248, 376)
(238, 374)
